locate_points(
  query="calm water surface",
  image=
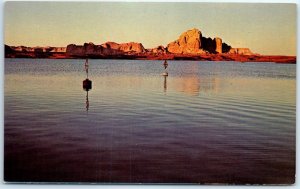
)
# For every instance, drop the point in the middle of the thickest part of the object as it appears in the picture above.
(207, 122)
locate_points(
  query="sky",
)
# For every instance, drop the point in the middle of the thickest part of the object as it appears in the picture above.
(268, 29)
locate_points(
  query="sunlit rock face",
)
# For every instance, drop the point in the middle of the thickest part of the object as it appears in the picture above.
(38, 49)
(189, 42)
(124, 47)
(108, 48)
(132, 47)
(218, 42)
(192, 42)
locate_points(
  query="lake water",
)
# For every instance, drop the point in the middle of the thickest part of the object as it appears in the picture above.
(207, 122)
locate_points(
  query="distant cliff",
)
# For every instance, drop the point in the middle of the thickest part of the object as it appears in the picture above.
(35, 52)
(192, 42)
(190, 45)
(38, 49)
(240, 51)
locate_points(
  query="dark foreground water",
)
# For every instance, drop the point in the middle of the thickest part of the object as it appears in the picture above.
(206, 122)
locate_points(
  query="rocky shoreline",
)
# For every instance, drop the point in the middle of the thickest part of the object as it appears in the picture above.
(222, 57)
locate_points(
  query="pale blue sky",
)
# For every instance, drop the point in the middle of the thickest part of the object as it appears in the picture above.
(264, 28)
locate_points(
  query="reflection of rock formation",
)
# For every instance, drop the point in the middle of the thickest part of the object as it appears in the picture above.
(189, 85)
(209, 85)
(193, 85)
(87, 102)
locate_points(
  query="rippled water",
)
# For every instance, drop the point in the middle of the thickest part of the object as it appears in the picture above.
(207, 122)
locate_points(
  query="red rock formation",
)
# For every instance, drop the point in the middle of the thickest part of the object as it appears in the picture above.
(111, 45)
(76, 50)
(109, 48)
(58, 49)
(189, 42)
(132, 47)
(125, 47)
(240, 51)
(158, 50)
(192, 42)
(218, 42)
(23, 49)
(39, 49)
(92, 49)
(189, 45)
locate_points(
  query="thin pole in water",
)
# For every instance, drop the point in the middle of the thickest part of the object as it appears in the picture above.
(86, 66)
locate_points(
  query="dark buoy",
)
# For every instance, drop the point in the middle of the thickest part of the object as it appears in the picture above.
(87, 84)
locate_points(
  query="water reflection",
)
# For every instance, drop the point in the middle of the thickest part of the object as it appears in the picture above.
(189, 85)
(193, 85)
(165, 83)
(87, 103)
(136, 134)
(87, 85)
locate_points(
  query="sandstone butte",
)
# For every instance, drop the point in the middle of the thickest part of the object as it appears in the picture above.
(190, 45)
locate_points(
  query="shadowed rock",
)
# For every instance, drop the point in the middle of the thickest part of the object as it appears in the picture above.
(209, 45)
(159, 50)
(225, 48)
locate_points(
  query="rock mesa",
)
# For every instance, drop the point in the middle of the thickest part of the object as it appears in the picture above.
(189, 42)
(240, 51)
(108, 48)
(192, 42)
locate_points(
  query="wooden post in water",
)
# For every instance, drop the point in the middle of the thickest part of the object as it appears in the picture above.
(86, 67)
